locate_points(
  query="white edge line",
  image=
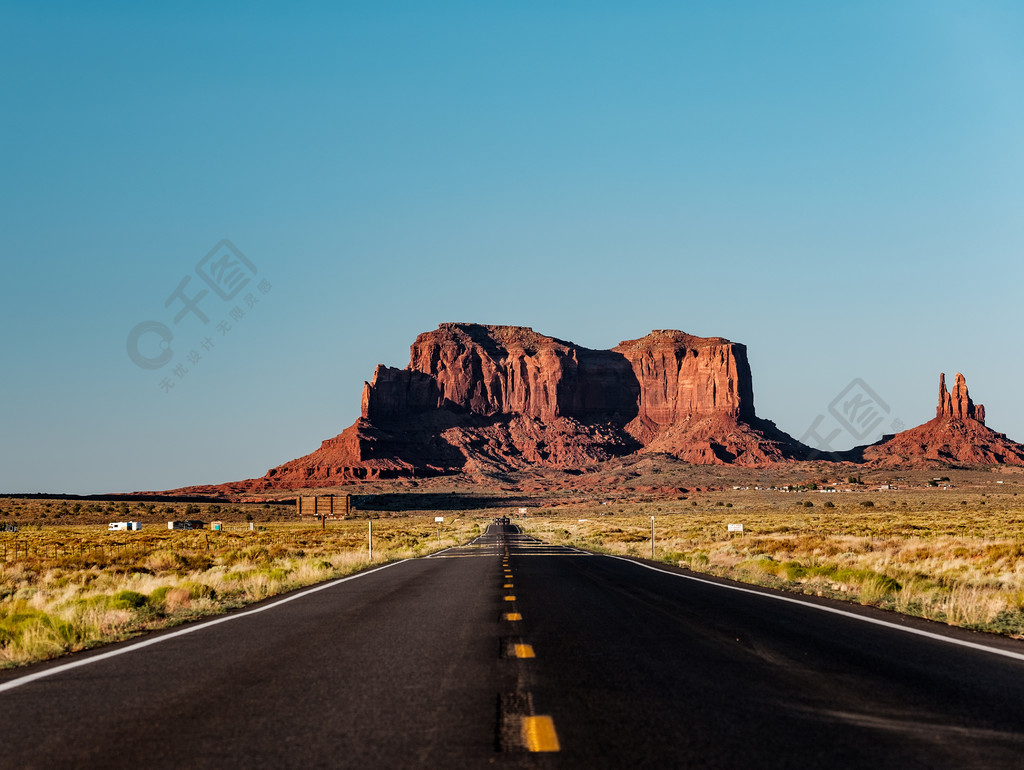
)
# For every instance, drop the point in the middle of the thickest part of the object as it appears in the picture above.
(181, 632)
(452, 548)
(833, 610)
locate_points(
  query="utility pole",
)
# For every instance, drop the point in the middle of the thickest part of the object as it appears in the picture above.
(652, 538)
(370, 523)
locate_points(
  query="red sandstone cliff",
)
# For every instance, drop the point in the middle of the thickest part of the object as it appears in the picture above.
(477, 398)
(957, 435)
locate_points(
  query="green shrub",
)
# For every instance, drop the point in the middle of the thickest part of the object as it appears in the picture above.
(793, 570)
(193, 562)
(129, 600)
(199, 591)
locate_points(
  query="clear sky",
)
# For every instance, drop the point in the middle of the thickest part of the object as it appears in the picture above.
(840, 186)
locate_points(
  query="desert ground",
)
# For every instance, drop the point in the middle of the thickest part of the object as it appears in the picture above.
(944, 544)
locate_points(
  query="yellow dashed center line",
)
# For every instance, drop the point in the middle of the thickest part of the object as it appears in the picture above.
(539, 734)
(523, 651)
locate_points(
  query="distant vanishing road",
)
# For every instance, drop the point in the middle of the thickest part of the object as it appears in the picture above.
(511, 652)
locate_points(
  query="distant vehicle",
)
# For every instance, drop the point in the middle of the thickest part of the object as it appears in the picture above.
(502, 520)
(121, 526)
(190, 524)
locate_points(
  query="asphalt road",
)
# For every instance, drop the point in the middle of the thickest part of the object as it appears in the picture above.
(514, 653)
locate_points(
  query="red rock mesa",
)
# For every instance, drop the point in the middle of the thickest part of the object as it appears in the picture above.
(478, 398)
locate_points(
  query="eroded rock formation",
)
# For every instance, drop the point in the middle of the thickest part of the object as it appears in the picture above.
(958, 435)
(486, 398)
(681, 377)
(958, 404)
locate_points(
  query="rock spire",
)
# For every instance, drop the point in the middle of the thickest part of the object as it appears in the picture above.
(958, 404)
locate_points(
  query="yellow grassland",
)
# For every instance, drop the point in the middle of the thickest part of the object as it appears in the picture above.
(70, 588)
(957, 558)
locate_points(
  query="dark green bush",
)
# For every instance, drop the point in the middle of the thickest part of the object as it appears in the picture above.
(129, 600)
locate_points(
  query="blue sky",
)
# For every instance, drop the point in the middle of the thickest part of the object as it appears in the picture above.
(837, 185)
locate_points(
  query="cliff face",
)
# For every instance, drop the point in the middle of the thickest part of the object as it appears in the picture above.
(681, 377)
(479, 397)
(397, 393)
(511, 370)
(659, 379)
(957, 435)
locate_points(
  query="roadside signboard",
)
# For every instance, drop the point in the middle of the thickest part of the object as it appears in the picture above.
(735, 527)
(439, 519)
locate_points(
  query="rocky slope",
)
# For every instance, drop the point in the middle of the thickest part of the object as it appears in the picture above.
(957, 435)
(483, 399)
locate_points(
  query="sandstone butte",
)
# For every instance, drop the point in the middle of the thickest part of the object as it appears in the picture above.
(478, 398)
(957, 435)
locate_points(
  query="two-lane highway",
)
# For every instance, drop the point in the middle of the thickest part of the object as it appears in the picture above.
(510, 651)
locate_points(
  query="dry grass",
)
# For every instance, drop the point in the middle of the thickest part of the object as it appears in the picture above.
(49, 512)
(72, 588)
(954, 555)
(961, 564)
